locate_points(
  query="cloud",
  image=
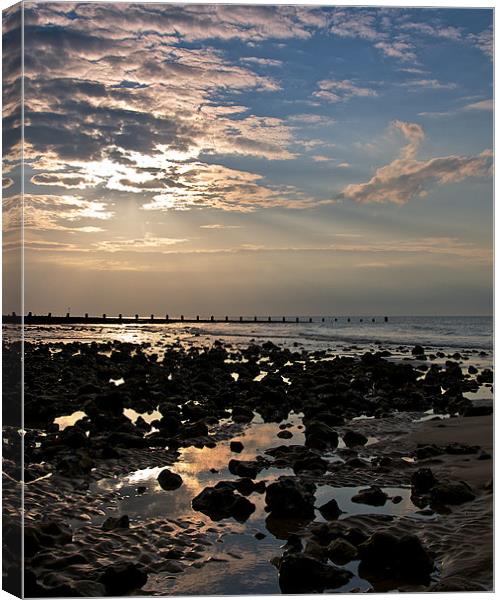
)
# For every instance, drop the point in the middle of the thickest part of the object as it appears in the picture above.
(403, 50)
(406, 177)
(341, 90)
(483, 41)
(149, 243)
(481, 105)
(220, 226)
(430, 84)
(65, 180)
(263, 62)
(215, 186)
(321, 158)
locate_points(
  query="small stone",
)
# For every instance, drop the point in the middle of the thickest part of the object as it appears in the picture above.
(236, 446)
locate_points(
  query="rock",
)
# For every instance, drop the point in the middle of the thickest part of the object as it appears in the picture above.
(241, 414)
(354, 438)
(372, 495)
(422, 481)
(484, 455)
(221, 502)
(400, 558)
(288, 497)
(168, 480)
(112, 523)
(320, 436)
(478, 410)
(341, 551)
(418, 350)
(330, 510)
(245, 468)
(397, 499)
(198, 429)
(310, 463)
(236, 446)
(428, 451)
(486, 376)
(123, 578)
(285, 434)
(472, 370)
(246, 486)
(300, 574)
(259, 535)
(449, 492)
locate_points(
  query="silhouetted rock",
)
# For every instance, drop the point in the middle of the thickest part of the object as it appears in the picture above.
(169, 480)
(354, 438)
(372, 495)
(288, 497)
(300, 574)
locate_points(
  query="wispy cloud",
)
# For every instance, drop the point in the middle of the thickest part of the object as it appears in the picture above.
(334, 91)
(406, 177)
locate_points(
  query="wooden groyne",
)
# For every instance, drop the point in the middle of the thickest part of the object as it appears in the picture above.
(120, 319)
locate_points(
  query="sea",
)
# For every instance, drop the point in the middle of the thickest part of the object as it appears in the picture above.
(323, 332)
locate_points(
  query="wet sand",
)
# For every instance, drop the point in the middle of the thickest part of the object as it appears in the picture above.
(313, 426)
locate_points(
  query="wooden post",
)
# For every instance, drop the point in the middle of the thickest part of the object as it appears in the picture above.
(152, 317)
(197, 317)
(296, 319)
(67, 315)
(49, 316)
(120, 317)
(269, 319)
(227, 319)
(241, 319)
(310, 320)
(182, 317)
(373, 320)
(86, 315)
(335, 319)
(322, 319)
(104, 316)
(13, 314)
(283, 319)
(136, 317)
(166, 318)
(212, 318)
(361, 320)
(348, 319)
(255, 318)
(386, 319)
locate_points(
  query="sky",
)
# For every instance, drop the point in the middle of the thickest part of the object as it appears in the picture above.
(224, 159)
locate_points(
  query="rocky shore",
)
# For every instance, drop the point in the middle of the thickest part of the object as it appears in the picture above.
(335, 473)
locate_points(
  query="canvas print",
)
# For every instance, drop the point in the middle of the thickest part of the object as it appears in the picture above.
(247, 299)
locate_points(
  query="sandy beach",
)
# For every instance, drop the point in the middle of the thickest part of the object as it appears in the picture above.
(213, 468)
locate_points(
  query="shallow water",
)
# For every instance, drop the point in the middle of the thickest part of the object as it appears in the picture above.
(139, 495)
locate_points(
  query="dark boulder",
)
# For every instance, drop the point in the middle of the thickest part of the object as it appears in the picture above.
(451, 492)
(300, 574)
(112, 523)
(236, 446)
(289, 497)
(320, 436)
(422, 481)
(168, 480)
(341, 551)
(330, 510)
(245, 468)
(372, 495)
(354, 438)
(398, 558)
(221, 502)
